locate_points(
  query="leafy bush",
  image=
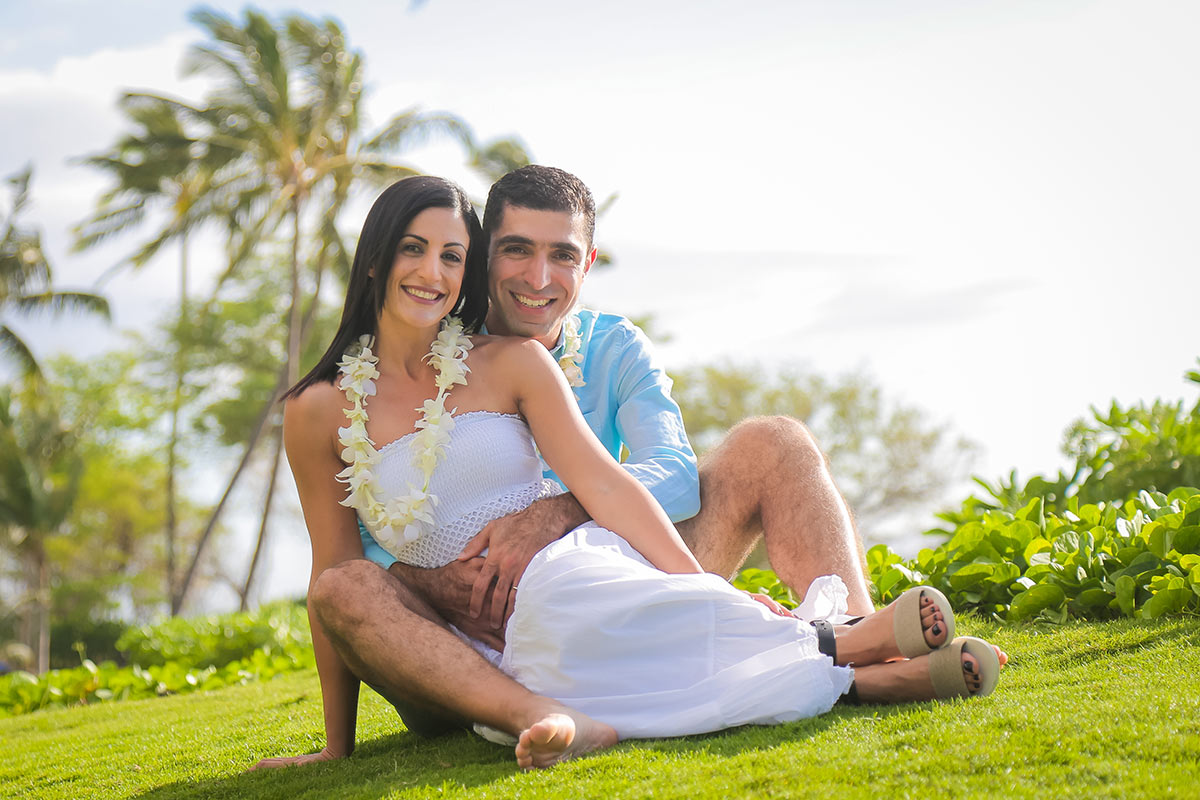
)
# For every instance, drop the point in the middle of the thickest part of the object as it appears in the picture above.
(175, 656)
(217, 639)
(21, 692)
(1138, 559)
(1117, 454)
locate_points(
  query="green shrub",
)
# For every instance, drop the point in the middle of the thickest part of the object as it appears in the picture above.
(175, 656)
(1136, 559)
(217, 639)
(1139, 559)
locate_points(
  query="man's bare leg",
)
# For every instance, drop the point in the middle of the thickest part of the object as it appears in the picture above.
(769, 478)
(391, 638)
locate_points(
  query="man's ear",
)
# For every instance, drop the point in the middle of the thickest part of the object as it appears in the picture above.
(587, 262)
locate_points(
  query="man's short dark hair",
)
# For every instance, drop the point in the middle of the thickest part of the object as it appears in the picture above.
(540, 188)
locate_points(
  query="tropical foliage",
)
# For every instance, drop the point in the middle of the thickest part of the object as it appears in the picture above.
(26, 280)
(887, 458)
(172, 657)
(1117, 454)
(1137, 559)
(40, 473)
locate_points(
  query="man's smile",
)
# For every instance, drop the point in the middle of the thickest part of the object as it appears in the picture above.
(532, 302)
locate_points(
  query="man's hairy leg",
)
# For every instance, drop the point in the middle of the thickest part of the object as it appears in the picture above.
(391, 638)
(769, 478)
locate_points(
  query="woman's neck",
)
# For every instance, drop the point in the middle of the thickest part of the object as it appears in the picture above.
(403, 350)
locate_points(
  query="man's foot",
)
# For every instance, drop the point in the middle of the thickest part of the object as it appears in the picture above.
(910, 680)
(561, 737)
(873, 639)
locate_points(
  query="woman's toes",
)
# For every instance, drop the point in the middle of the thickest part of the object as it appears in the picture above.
(970, 673)
(934, 625)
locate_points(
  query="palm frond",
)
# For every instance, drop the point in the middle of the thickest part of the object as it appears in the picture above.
(60, 302)
(499, 157)
(14, 348)
(380, 174)
(108, 221)
(411, 128)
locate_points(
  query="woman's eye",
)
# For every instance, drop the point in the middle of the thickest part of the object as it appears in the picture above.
(412, 248)
(452, 257)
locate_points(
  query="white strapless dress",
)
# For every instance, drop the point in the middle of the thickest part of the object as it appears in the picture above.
(598, 628)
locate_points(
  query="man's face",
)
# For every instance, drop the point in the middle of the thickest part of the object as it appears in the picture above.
(536, 264)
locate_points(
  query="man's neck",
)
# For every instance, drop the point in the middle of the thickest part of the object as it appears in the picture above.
(550, 341)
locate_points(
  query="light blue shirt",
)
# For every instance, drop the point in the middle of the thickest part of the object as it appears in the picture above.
(625, 399)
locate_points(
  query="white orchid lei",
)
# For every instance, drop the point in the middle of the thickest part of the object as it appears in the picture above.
(569, 361)
(402, 519)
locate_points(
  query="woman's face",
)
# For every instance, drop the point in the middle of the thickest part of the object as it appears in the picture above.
(428, 271)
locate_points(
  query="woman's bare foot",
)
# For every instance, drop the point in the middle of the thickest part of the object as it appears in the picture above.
(873, 639)
(909, 680)
(560, 737)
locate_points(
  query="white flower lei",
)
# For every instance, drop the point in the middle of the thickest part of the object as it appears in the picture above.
(406, 518)
(569, 361)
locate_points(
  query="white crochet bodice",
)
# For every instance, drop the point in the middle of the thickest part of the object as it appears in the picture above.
(490, 470)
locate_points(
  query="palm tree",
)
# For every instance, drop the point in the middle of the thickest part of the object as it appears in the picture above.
(39, 481)
(26, 279)
(161, 165)
(288, 102)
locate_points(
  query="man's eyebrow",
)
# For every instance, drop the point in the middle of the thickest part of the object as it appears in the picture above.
(425, 241)
(514, 238)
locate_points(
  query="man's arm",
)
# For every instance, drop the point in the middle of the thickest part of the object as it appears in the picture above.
(638, 403)
(650, 424)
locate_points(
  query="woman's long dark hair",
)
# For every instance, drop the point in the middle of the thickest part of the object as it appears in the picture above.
(387, 221)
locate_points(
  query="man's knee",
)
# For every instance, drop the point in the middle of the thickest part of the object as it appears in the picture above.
(768, 440)
(342, 594)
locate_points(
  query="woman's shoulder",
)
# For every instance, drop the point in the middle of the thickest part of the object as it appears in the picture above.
(317, 401)
(505, 349)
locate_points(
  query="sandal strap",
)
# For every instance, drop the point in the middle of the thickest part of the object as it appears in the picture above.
(826, 641)
(827, 645)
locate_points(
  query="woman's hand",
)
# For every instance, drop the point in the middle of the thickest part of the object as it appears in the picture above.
(295, 761)
(774, 607)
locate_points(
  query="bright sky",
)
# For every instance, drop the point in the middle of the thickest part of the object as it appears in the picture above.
(990, 207)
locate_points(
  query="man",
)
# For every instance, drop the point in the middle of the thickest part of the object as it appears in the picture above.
(768, 478)
(768, 474)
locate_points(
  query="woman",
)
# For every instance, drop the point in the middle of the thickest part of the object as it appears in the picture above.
(597, 613)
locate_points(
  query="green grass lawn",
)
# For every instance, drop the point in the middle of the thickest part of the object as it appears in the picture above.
(1083, 710)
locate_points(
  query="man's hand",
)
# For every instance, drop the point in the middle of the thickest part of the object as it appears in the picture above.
(295, 761)
(448, 590)
(511, 542)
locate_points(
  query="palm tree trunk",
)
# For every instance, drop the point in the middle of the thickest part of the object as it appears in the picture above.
(262, 528)
(255, 436)
(173, 442)
(293, 325)
(41, 606)
(281, 384)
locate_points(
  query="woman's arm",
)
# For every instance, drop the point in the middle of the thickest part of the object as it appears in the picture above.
(308, 423)
(613, 497)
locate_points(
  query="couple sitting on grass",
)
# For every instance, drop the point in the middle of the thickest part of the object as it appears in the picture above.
(456, 577)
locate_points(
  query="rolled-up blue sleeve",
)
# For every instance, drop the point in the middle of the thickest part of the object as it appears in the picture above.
(650, 424)
(372, 548)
